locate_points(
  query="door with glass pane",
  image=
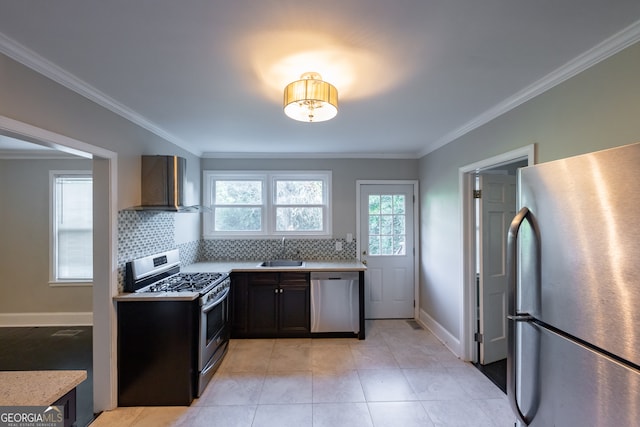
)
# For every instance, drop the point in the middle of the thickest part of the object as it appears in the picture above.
(387, 246)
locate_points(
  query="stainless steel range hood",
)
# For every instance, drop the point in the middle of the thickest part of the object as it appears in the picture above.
(162, 188)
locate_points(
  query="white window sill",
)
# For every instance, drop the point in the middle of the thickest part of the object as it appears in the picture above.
(69, 284)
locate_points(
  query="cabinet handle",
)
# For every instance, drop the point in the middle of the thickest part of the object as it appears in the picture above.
(280, 290)
(276, 290)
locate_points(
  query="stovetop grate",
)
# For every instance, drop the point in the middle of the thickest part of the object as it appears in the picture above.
(186, 282)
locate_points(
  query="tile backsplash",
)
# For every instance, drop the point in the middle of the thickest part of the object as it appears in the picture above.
(143, 233)
(267, 249)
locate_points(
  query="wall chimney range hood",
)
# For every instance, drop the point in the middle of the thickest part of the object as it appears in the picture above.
(162, 185)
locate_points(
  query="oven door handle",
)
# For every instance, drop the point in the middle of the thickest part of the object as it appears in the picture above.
(218, 300)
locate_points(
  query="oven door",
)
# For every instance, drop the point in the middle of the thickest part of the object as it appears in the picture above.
(214, 329)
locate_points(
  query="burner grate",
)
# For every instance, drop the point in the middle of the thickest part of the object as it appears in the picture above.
(186, 282)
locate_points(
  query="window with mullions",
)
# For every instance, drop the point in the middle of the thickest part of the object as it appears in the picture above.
(238, 205)
(71, 226)
(299, 205)
(267, 203)
(387, 219)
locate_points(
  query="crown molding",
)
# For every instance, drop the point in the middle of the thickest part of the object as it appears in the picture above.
(598, 53)
(36, 62)
(255, 155)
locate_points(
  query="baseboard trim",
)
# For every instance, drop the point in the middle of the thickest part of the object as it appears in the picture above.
(46, 319)
(451, 342)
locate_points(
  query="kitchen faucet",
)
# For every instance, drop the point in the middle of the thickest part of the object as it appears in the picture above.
(284, 248)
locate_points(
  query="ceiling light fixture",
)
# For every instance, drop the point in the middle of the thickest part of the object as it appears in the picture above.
(310, 99)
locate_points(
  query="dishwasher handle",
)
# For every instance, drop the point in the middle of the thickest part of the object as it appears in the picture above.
(335, 275)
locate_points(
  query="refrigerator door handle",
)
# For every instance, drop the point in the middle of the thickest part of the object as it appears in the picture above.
(515, 317)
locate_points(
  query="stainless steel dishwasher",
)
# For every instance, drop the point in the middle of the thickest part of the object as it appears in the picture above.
(335, 302)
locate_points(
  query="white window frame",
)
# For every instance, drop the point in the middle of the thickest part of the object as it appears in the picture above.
(268, 224)
(53, 232)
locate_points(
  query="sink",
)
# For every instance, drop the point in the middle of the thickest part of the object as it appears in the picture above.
(282, 263)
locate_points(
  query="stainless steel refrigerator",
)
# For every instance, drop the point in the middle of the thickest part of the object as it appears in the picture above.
(574, 297)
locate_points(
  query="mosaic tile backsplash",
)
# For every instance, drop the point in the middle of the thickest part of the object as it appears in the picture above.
(143, 233)
(266, 249)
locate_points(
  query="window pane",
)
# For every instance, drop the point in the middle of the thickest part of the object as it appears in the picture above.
(374, 245)
(299, 192)
(75, 205)
(238, 219)
(73, 222)
(386, 224)
(374, 205)
(386, 204)
(398, 204)
(387, 228)
(398, 224)
(238, 192)
(374, 224)
(386, 245)
(399, 245)
(299, 219)
(75, 254)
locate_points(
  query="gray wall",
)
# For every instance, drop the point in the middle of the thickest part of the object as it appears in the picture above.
(29, 97)
(597, 109)
(345, 172)
(24, 252)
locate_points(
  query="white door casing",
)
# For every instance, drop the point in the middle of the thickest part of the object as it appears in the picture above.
(105, 256)
(387, 246)
(497, 206)
(467, 346)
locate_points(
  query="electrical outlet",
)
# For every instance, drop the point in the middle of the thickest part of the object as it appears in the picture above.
(349, 237)
(338, 246)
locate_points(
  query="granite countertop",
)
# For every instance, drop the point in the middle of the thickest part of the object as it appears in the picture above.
(37, 388)
(253, 266)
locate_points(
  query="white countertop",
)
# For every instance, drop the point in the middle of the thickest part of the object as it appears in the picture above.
(37, 388)
(253, 266)
(235, 266)
(156, 296)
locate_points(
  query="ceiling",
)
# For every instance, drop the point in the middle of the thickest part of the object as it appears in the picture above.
(412, 75)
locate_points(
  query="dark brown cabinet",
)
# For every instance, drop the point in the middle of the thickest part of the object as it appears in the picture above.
(68, 402)
(270, 304)
(238, 305)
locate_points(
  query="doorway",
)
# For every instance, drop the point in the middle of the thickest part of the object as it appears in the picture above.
(48, 324)
(495, 206)
(386, 243)
(485, 224)
(104, 359)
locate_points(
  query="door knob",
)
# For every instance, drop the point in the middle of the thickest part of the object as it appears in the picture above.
(364, 262)
(364, 252)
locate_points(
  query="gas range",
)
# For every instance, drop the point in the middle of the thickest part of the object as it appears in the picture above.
(186, 282)
(161, 273)
(186, 312)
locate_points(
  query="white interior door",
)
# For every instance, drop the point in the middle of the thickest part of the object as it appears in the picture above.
(497, 208)
(387, 247)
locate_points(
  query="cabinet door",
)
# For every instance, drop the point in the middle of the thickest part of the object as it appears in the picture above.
(294, 316)
(263, 314)
(239, 304)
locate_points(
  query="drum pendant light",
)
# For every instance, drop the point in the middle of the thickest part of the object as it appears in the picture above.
(310, 99)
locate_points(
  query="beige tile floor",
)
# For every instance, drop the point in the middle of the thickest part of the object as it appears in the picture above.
(398, 376)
